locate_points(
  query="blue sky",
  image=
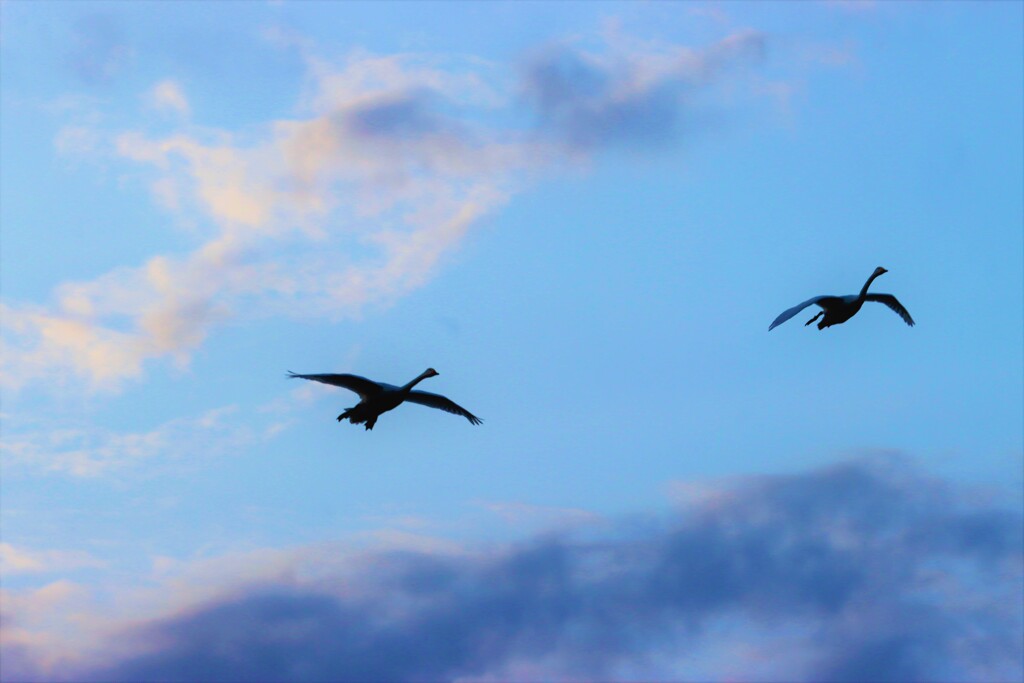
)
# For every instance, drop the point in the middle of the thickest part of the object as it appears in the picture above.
(584, 216)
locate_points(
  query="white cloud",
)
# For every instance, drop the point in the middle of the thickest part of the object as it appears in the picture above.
(76, 140)
(16, 560)
(355, 203)
(91, 451)
(167, 95)
(375, 166)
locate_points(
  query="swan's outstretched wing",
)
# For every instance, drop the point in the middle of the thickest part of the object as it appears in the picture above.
(425, 398)
(891, 301)
(790, 312)
(362, 386)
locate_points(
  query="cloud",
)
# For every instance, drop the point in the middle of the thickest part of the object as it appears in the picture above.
(355, 201)
(35, 628)
(90, 451)
(167, 95)
(867, 570)
(635, 95)
(15, 560)
(539, 516)
(322, 215)
(76, 140)
(97, 49)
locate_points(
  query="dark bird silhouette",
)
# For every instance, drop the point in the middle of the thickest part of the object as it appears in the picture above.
(377, 397)
(839, 309)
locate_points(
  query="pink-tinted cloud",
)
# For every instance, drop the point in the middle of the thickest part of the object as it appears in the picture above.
(866, 570)
(18, 560)
(354, 202)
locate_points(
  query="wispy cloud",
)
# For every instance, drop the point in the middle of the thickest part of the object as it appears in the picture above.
(76, 140)
(634, 95)
(167, 95)
(378, 169)
(88, 451)
(97, 49)
(544, 517)
(17, 560)
(867, 570)
(355, 201)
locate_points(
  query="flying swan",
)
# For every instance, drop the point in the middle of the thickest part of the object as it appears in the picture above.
(839, 309)
(377, 397)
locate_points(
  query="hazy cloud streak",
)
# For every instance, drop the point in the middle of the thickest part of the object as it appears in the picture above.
(87, 451)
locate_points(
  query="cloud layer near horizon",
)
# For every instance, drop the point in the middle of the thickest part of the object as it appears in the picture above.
(387, 164)
(867, 570)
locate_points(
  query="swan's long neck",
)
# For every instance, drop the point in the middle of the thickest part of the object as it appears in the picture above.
(408, 387)
(864, 289)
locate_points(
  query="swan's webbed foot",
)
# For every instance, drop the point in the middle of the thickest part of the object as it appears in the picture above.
(820, 313)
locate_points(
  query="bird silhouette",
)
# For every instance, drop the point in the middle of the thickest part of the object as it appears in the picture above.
(839, 309)
(377, 397)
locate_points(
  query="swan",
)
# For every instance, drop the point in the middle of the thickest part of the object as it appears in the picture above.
(377, 397)
(839, 309)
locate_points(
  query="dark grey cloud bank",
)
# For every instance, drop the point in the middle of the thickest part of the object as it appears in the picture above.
(886, 574)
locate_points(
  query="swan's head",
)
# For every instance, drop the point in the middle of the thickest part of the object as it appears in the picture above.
(431, 372)
(879, 270)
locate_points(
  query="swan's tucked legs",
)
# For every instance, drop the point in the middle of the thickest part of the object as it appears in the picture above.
(820, 313)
